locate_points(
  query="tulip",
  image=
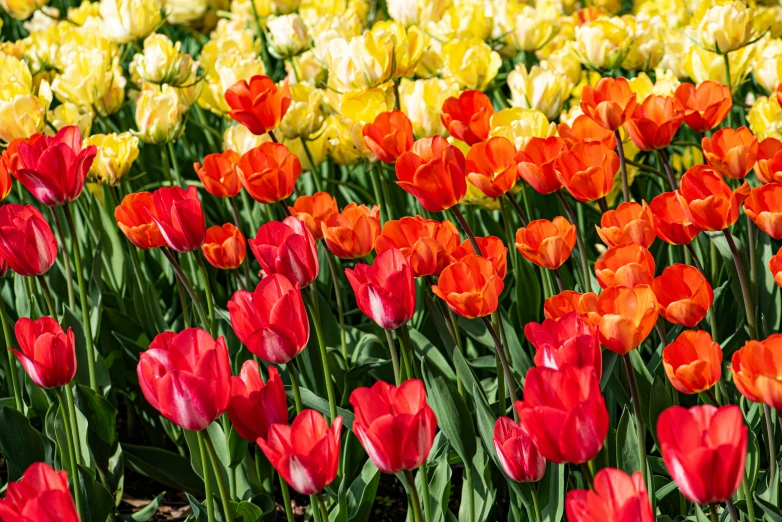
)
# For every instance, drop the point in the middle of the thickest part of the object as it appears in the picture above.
(731, 152)
(433, 172)
(134, 219)
(539, 88)
(47, 353)
(654, 122)
(427, 243)
(764, 207)
(385, 291)
(672, 223)
(306, 453)
(629, 223)
(116, 154)
(708, 201)
(163, 62)
(468, 117)
(518, 455)
(225, 247)
(625, 265)
(313, 210)
(545, 243)
(627, 316)
(5, 178)
(704, 449)
(258, 105)
(610, 103)
(423, 101)
(570, 340)
(255, 406)
(603, 43)
(219, 174)
(614, 497)
(180, 218)
(490, 166)
(186, 377)
(560, 305)
(390, 135)
(536, 163)
(726, 27)
(684, 294)
(54, 168)
(288, 36)
(693, 362)
(351, 233)
(585, 128)
(159, 114)
(271, 321)
(269, 172)
(470, 287)
(491, 247)
(469, 62)
(757, 371)
(769, 161)
(587, 170)
(705, 105)
(564, 413)
(27, 243)
(775, 267)
(41, 495)
(287, 248)
(396, 426)
(130, 20)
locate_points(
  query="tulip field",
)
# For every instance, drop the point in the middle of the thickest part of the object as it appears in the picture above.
(390, 260)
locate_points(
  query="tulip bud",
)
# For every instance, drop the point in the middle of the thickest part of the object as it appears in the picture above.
(116, 154)
(693, 362)
(225, 247)
(158, 115)
(40, 490)
(287, 248)
(256, 406)
(47, 353)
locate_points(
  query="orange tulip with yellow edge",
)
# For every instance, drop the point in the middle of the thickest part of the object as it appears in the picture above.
(628, 223)
(708, 200)
(491, 167)
(757, 371)
(654, 122)
(625, 265)
(470, 287)
(627, 316)
(731, 152)
(536, 163)
(351, 234)
(768, 166)
(610, 103)
(587, 170)
(764, 208)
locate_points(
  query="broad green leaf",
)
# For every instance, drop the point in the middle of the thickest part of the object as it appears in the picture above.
(659, 401)
(453, 417)
(147, 512)
(97, 501)
(627, 452)
(167, 468)
(20, 443)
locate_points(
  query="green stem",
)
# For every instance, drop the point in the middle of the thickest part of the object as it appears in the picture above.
(505, 367)
(224, 494)
(428, 517)
(74, 421)
(174, 163)
(713, 513)
(314, 172)
(286, 498)
(210, 501)
(518, 209)
(413, 492)
(535, 502)
(753, 264)
(748, 497)
(295, 386)
(467, 230)
(668, 171)
(17, 390)
(588, 475)
(500, 372)
(238, 223)
(730, 87)
(340, 307)
(186, 284)
(47, 294)
(324, 512)
(403, 332)
(66, 260)
(639, 423)
(394, 357)
(748, 308)
(381, 178)
(324, 355)
(772, 450)
(74, 471)
(620, 150)
(579, 241)
(208, 291)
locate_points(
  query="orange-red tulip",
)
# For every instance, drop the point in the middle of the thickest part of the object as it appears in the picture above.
(46, 352)
(545, 243)
(775, 266)
(536, 163)
(615, 497)
(684, 294)
(225, 247)
(704, 106)
(468, 117)
(134, 218)
(654, 122)
(731, 152)
(585, 128)
(610, 103)
(625, 265)
(470, 287)
(259, 105)
(491, 167)
(768, 167)
(627, 316)
(629, 223)
(269, 172)
(218, 174)
(41, 495)
(351, 233)
(427, 243)
(764, 207)
(671, 221)
(587, 170)
(313, 210)
(560, 305)
(491, 247)
(693, 362)
(389, 135)
(757, 371)
(5, 178)
(779, 94)
(708, 200)
(433, 172)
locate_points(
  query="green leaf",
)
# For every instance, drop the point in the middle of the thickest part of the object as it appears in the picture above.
(440, 488)
(310, 400)
(627, 452)
(659, 401)
(20, 443)
(773, 513)
(359, 497)
(97, 501)
(555, 488)
(101, 425)
(147, 512)
(170, 469)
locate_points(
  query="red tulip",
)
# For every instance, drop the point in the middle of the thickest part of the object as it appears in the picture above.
(775, 267)
(258, 105)
(48, 354)
(468, 117)
(567, 341)
(269, 172)
(491, 166)
(3, 267)
(306, 453)
(615, 497)
(287, 248)
(389, 135)
(520, 459)
(5, 178)
(684, 294)
(134, 219)
(54, 168)
(254, 407)
(218, 174)
(709, 202)
(225, 247)
(536, 163)
(764, 208)
(385, 291)
(492, 248)
(271, 321)
(671, 221)
(426, 242)
(41, 495)
(186, 377)
(395, 425)
(704, 449)
(433, 172)
(27, 243)
(179, 216)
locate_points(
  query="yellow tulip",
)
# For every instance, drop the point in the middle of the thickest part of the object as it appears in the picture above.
(239, 139)
(317, 150)
(116, 154)
(564, 62)
(332, 27)
(470, 63)
(158, 115)
(360, 63)
(67, 114)
(304, 116)
(765, 118)
(533, 28)
(520, 125)
(677, 46)
(672, 14)
(416, 12)
(702, 65)
(466, 19)
(646, 49)
(228, 69)
(128, 20)
(115, 97)
(725, 28)
(21, 9)
(408, 46)
(768, 64)
(287, 36)
(311, 10)
(179, 12)
(81, 14)
(163, 62)
(603, 43)
(539, 89)
(422, 101)
(230, 36)
(87, 79)
(769, 17)
(345, 140)
(307, 68)
(431, 62)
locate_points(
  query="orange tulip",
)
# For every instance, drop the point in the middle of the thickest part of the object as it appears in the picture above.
(426, 242)
(134, 218)
(351, 234)
(470, 287)
(225, 247)
(547, 243)
(491, 167)
(684, 294)
(269, 172)
(587, 14)
(693, 362)
(731, 152)
(757, 371)
(610, 103)
(587, 170)
(704, 106)
(627, 316)
(585, 128)
(313, 210)
(536, 163)
(775, 266)
(433, 172)
(779, 94)
(671, 221)
(5, 179)
(764, 207)
(11, 153)
(218, 174)
(492, 248)
(468, 117)
(654, 122)
(563, 303)
(389, 135)
(708, 200)
(628, 265)
(258, 105)
(769, 161)
(629, 223)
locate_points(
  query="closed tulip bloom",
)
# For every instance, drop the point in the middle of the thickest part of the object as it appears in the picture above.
(587, 170)
(705, 105)
(470, 287)
(545, 243)
(389, 135)
(654, 122)
(757, 371)
(764, 207)
(491, 247)
(625, 265)
(396, 426)
(693, 362)
(731, 152)
(306, 453)
(536, 163)
(186, 377)
(614, 497)
(775, 267)
(385, 290)
(491, 167)
(258, 105)
(313, 210)
(134, 219)
(351, 234)
(427, 243)
(27, 243)
(564, 413)
(627, 316)
(610, 103)
(768, 167)
(287, 248)
(684, 294)
(47, 353)
(269, 172)
(41, 495)
(585, 128)
(225, 247)
(704, 449)
(218, 174)
(672, 223)
(558, 306)
(468, 117)
(256, 406)
(629, 223)
(518, 455)
(570, 340)
(708, 200)
(433, 172)
(5, 179)
(180, 218)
